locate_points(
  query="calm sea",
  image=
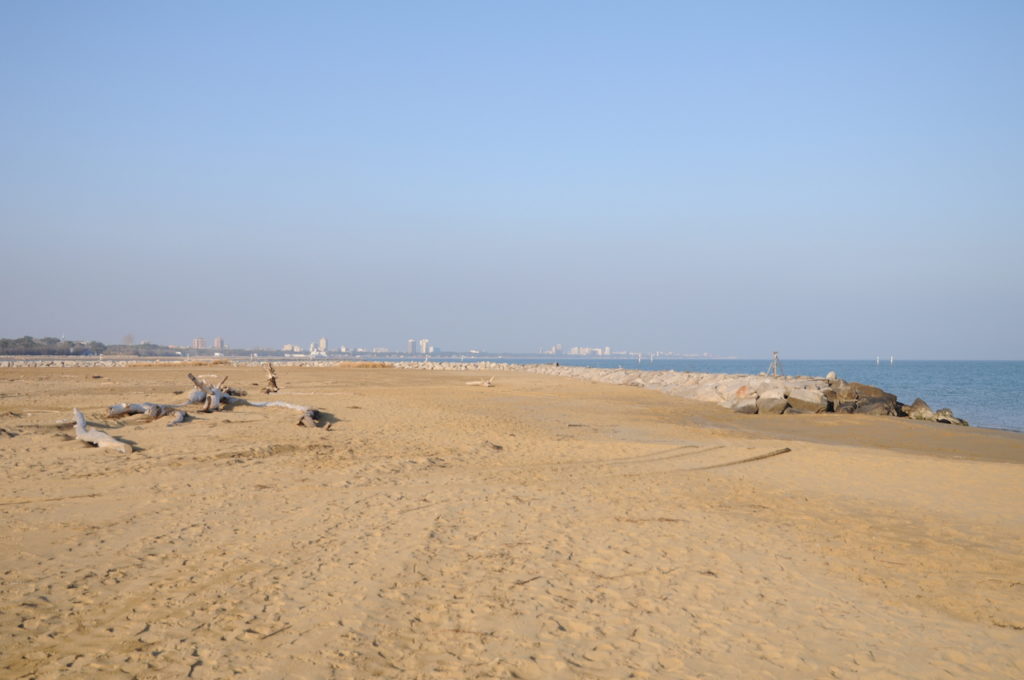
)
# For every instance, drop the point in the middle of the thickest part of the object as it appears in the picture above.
(985, 393)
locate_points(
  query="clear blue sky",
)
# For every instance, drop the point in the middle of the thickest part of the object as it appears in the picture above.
(826, 179)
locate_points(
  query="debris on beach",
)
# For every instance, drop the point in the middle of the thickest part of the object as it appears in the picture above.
(213, 396)
(91, 435)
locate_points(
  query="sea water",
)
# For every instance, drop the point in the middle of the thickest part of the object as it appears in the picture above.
(984, 393)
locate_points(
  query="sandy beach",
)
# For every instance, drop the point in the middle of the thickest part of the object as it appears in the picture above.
(541, 528)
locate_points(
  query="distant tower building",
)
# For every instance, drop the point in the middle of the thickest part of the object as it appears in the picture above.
(424, 346)
(322, 345)
(410, 346)
(218, 342)
(198, 343)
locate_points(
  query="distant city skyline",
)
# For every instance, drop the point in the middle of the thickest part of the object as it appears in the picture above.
(414, 347)
(829, 180)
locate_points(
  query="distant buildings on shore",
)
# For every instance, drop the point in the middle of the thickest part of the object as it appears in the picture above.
(607, 351)
(423, 347)
(321, 348)
(200, 343)
(583, 351)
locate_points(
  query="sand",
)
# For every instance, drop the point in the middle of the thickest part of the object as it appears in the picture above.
(542, 528)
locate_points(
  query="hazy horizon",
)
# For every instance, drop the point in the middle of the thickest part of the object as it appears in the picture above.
(731, 178)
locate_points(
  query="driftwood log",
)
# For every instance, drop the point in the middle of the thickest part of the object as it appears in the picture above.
(154, 411)
(309, 415)
(271, 379)
(482, 383)
(309, 418)
(216, 397)
(213, 397)
(178, 417)
(91, 435)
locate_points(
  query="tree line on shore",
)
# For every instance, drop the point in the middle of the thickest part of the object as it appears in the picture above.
(59, 347)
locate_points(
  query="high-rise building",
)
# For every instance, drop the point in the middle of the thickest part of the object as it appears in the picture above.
(424, 346)
(322, 345)
(218, 342)
(410, 346)
(198, 343)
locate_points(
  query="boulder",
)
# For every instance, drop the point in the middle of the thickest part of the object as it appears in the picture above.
(830, 376)
(859, 398)
(744, 405)
(877, 406)
(807, 401)
(919, 410)
(771, 405)
(944, 415)
(844, 406)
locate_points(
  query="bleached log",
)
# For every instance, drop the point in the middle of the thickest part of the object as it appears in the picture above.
(483, 383)
(271, 379)
(152, 410)
(93, 436)
(309, 415)
(178, 417)
(214, 395)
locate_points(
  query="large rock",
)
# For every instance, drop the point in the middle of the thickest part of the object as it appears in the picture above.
(859, 398)
(919, 410)
(807, 400)
(944, 415)
(771, 405)
(744, 405)
(876, 406)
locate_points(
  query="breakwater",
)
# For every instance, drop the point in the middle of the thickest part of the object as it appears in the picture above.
(751, 394)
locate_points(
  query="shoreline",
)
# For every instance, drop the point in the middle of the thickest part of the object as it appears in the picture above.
(990, 413)
(736, 391)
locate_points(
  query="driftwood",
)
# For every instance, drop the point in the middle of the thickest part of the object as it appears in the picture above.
(271, 379)
(93, 436)
(309, 415)
(482, 383)
(154, 411)
(213, 394)
(216, 397)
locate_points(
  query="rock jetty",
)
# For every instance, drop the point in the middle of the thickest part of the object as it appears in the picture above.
(752, 394)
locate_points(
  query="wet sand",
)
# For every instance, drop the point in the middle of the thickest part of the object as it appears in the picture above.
(542, 528)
